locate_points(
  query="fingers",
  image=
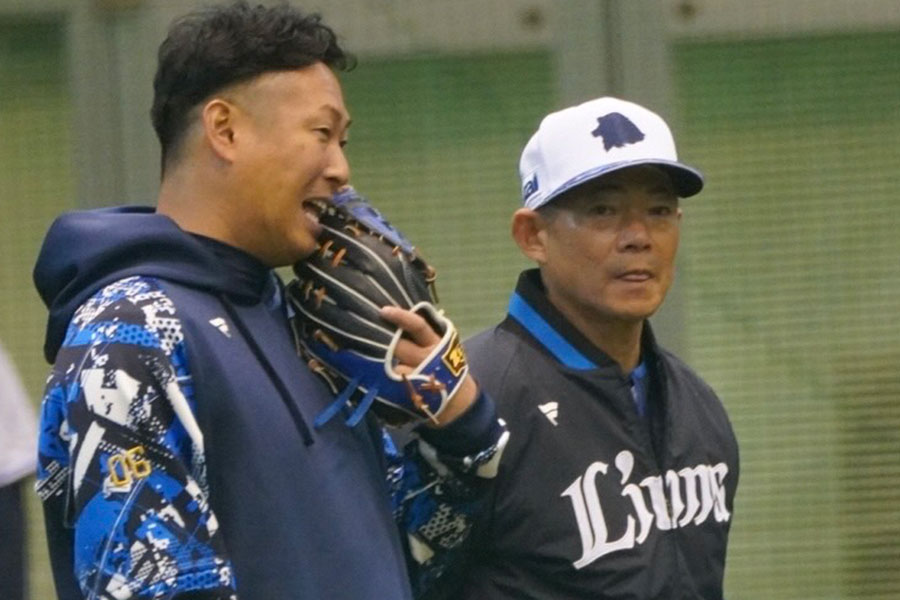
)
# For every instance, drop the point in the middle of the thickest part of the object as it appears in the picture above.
(409, 356)
(417, 328)
(418, 342)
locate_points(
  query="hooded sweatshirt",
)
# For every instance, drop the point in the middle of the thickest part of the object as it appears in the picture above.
(176, 450)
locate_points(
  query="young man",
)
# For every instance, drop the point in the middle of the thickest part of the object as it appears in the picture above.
(620, 475)
(177, 456)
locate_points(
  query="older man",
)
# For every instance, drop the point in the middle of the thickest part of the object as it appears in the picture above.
(620, 475)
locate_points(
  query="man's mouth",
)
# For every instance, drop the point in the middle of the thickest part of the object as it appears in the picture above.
(315, 208)
(636, 276)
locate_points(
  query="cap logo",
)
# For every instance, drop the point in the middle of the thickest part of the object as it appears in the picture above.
(617, 131)
(531, 187)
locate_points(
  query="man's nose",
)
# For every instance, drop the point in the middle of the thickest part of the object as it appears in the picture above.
(634, 234)
(338, 170)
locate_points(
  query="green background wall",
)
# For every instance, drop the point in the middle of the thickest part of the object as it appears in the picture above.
(793, 301)
(35, 185)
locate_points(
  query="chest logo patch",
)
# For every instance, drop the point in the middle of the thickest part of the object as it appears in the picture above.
(551, 411)
(684, 498)
(222, 325)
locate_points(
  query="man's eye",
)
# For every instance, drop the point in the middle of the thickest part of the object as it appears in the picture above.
(662, 211)
(325, 132)
(602, 210)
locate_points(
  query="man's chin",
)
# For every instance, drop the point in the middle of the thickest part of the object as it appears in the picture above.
(638, 311)
(301, 247)
(304, 253)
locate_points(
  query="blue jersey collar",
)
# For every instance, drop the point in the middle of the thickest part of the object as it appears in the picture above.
(542, 331)
(530, 309)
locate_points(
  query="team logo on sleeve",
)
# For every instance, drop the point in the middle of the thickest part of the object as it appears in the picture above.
(126, 466)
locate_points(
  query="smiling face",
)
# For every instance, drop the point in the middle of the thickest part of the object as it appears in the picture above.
(292, 126)
(606, 249)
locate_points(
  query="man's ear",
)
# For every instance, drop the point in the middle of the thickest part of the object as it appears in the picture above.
(218, 118)
(529, 232)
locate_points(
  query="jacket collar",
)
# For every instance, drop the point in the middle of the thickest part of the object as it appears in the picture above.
(533, 312)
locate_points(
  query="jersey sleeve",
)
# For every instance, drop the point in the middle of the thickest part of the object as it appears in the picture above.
(439, 485)
(120, 461)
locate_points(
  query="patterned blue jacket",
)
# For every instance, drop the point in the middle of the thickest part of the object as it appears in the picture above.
(175, 457)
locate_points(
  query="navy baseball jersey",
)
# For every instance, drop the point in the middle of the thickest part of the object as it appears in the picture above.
(594, 500)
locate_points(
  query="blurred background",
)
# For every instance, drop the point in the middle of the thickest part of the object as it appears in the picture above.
(788, 293)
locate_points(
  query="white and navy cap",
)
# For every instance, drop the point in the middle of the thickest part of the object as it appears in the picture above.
(600, 136)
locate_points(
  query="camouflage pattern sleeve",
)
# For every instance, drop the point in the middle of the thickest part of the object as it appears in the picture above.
(120, 462)
(436, 497)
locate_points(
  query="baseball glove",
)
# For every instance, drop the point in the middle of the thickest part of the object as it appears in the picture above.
(362, 264)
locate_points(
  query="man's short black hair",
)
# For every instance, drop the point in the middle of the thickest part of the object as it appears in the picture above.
(212, 48)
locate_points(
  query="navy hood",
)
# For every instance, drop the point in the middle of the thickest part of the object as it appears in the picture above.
(87, 250)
